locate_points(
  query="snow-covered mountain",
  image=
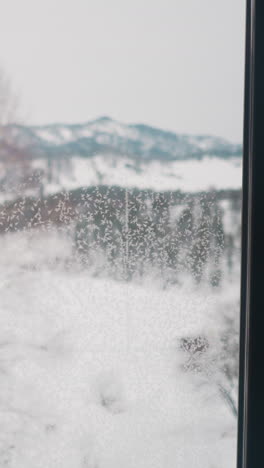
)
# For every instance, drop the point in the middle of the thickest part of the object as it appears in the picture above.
(107, 136)
(104, 151)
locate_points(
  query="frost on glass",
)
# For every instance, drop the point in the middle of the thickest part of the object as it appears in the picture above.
(120, 257)
(119, 313)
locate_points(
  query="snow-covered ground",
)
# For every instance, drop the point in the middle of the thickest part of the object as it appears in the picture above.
(90, 368)
(187, 176)
(209, 173)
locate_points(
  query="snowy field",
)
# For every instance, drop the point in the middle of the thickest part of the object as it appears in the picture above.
(91, 373)
(72, 173)
(188, 176)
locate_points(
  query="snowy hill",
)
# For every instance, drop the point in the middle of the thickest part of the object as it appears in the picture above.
(104, 151)
(107, 136)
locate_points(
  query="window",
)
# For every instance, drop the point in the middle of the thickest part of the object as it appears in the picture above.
(250, 433)
(120, 228)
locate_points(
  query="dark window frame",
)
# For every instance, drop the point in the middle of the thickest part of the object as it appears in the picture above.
(251, 380)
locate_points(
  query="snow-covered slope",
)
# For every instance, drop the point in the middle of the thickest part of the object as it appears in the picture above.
(188, 176)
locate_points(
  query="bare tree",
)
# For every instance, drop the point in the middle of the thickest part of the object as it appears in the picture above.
(14, 154)
(9, 102)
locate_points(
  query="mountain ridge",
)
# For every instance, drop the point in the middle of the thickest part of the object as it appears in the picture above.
(105, 135)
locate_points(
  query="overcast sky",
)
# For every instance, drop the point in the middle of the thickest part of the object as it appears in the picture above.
(175, 64)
